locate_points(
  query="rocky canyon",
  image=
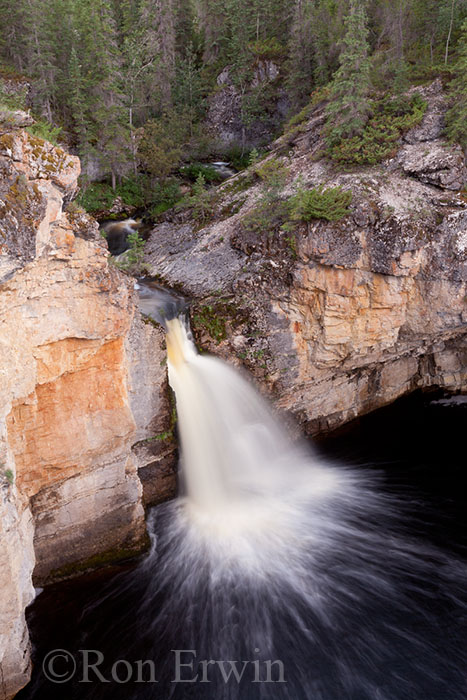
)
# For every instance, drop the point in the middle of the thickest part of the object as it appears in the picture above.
(82, 382)
(332, 320)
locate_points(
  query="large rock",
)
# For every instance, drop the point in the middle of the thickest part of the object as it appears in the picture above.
(83, 381)
(336, 318)
(224, 115)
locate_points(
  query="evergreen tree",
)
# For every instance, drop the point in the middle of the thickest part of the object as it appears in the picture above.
(456, 117)
(300, 56)
(348, 109)
(327, 29)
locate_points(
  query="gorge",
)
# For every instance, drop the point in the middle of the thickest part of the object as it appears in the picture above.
(338, 320)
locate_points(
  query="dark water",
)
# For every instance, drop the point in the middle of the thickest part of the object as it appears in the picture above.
(392, 578)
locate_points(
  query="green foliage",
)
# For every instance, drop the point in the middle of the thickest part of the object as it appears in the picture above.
(348, 108)
(268, 49)
(9, 476)
(208, 317)
(161, 144)
(266, 218)
(201, 201)
(331, 204)
(98, 196)
(16, 100)
(317, 96)
(132, 259)
(456, 118)
(273, 174)
(46, 131)
(253, 157)
(135, 253)
(238, 157)
(192, 172)
(378, 140)
(130, 81)
(163, 196)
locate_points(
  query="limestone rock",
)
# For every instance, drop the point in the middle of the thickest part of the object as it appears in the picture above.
(435, 163)
(336, 318)
(76, 358)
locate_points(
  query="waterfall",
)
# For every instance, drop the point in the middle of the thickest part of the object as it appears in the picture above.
(275, 574)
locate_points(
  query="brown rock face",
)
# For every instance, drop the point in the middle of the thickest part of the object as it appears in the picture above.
(336, 318)
(81, 382)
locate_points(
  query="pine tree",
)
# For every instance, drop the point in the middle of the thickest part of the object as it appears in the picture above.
(300, 56)
(348, 110)
(327, 29)
(456, 117)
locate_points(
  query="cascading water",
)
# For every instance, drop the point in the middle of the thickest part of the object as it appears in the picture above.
(276, 574)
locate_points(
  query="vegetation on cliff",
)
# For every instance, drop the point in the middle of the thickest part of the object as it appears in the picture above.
(130, 84)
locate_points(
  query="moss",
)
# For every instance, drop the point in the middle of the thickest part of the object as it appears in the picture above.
(168, 434)
(107, 558)
(7, 141)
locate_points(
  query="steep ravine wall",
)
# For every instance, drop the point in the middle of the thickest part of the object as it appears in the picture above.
(335, 319)
(82, 382)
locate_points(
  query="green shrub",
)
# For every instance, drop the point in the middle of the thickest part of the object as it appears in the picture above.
(163, 197)
(266, 217)
(389, 120)
(45, 130)
(238, 157)
(268, 49)
(201, 201)
(209, 319)
(135, 253)
(317, 96)
(209, 173)
(320, 203)
(96, 197)
(9, 476)
(271, 169)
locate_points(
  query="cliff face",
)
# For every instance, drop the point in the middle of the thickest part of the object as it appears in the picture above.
(341, 317)
(82, 382)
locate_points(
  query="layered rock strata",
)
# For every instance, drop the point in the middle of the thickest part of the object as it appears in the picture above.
(83, 381)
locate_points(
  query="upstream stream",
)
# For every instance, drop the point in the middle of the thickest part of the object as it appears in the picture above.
(334, 571)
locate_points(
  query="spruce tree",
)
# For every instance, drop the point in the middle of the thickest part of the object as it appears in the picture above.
(300, 56)
(348, 109)
(456, 117)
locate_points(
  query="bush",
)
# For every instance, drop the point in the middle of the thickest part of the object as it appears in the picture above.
(135, 253)
(266, 217)
(209, 173)
(201, 201)
(238, 157)
(163, 196)
(319, 203)
(96, 197)
(45, 130)
(389, 120)
(268, 49)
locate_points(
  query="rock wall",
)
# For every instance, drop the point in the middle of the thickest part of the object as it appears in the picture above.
(264, 92)
(82, 382)
(337, 318)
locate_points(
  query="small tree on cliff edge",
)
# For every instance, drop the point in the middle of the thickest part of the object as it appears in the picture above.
(348, 110)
